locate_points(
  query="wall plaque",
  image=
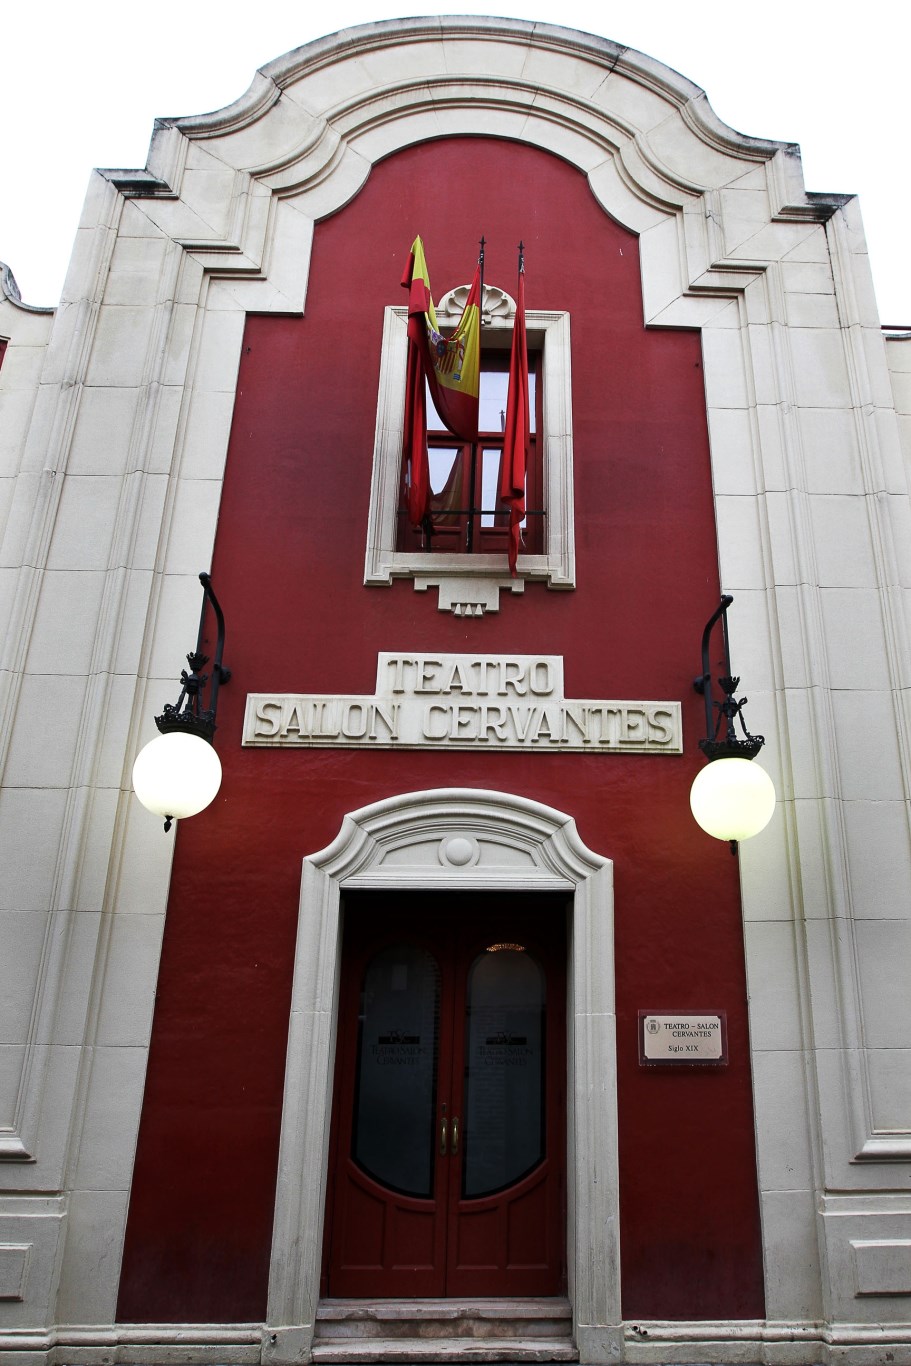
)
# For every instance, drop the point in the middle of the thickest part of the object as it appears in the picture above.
(694, 1037)
(455, 701)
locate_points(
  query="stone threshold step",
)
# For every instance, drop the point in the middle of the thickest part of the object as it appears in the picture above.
(429, 1330)
(410, 1310)
(443, 1349)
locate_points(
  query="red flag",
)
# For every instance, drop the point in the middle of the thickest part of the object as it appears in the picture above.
(414, 435)
(515, 438)
(414, 439)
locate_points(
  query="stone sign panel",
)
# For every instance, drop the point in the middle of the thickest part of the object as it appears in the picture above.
(470, 701)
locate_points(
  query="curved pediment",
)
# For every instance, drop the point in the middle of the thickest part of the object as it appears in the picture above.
(314, 123)
(345, 78)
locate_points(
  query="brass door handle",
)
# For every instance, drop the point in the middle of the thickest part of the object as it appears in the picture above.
(444, 1134)
(455, 1134)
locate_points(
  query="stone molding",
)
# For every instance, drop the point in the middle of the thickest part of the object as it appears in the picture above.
(9, 290)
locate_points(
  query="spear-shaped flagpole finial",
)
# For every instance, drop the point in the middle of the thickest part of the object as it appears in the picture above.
(521, 258)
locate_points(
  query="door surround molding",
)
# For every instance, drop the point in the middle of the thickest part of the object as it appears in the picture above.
(457, 839)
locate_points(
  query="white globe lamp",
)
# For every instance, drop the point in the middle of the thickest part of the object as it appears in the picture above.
(178, 774)
(732, 799)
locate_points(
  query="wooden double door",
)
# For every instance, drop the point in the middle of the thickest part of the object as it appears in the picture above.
(447, 1153)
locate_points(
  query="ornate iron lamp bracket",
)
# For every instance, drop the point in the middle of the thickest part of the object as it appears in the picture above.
(188, 714)
(730, 709)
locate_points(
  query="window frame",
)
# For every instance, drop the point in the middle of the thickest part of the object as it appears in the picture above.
(548, 332)
(486, 538)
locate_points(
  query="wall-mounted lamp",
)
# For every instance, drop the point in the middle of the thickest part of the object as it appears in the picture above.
(732, 798)
(179, 773)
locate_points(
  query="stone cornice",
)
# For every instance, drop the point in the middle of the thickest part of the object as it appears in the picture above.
(344, 103)
(9, 290)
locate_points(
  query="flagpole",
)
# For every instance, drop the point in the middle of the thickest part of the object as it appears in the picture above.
(469, 530)
(514, 463)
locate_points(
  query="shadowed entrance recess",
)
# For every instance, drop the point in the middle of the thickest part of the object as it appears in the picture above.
(449, 1124)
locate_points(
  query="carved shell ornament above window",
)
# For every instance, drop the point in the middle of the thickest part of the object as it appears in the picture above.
(495, 304)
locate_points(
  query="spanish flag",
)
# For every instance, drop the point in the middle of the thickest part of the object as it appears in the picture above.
(452, 367)
(516, 433)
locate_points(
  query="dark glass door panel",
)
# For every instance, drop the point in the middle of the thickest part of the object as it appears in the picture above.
(504, 1095)
(394, 1126)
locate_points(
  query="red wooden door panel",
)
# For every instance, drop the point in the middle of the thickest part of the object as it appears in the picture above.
(448, 1131)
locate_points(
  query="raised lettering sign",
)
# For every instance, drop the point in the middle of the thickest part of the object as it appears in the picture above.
(447, 701)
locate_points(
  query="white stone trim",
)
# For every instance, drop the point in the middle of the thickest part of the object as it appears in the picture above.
(557, 565)
(648, 1342)
(400, 843)
(14, 1258)
(172, 1344)
(896, 1147)
(782, 1342)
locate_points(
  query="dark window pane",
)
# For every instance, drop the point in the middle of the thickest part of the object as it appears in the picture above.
(492, 399)
(491, 459)
(492, 396)
(434, 422)
(495, 512)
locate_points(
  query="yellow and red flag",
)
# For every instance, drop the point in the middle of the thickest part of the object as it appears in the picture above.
(516, 433)
(452, 367)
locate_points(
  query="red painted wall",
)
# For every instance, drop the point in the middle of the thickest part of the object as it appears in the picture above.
(288, 569)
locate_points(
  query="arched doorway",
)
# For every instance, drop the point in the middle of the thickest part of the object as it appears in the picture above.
(452, 840)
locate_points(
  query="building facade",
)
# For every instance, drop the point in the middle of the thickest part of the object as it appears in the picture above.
(377, 1024)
